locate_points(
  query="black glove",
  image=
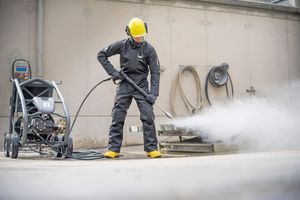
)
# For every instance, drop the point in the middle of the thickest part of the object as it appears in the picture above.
(116, 77)
(151, 98)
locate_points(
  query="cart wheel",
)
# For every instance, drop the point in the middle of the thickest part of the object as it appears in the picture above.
(65, 150)
(14, 145)
(6, 145)
(58, 151)
(69, 148)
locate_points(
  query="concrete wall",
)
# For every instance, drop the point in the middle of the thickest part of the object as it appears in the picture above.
(261, 46)
(17, 40)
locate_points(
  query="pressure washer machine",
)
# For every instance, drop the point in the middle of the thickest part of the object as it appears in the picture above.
(39, 117)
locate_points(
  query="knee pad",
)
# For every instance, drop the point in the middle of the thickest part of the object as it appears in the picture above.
(118, 115)
(148, 117)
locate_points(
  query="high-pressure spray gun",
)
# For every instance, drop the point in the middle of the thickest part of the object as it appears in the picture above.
(130, 81)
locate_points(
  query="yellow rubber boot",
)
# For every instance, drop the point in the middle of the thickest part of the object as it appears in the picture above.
(154, 154)
(111, 154)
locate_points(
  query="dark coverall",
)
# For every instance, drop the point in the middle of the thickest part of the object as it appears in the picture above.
(136, 59)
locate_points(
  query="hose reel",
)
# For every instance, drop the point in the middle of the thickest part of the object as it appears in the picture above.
(218, 77)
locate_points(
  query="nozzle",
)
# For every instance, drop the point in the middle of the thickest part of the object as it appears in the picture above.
(165, 112)
(169, 115)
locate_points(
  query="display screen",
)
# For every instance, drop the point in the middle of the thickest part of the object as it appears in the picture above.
(21, 69)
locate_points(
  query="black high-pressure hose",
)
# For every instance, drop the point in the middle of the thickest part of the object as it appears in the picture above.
(86, 155)
(85, 98)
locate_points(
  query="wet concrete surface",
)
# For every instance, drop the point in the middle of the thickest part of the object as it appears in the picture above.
(256, 175)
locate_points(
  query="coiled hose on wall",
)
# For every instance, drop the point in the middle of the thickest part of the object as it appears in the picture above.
(218, 76)
(178, 84)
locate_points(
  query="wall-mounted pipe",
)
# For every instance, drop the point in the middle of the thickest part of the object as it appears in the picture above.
(39, 36)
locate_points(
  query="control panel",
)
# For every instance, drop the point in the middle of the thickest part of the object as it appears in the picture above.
(21, 70)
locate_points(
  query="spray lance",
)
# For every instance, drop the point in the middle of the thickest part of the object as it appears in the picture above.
(130, 81)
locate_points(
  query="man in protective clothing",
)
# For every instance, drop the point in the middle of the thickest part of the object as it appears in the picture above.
(137, 58)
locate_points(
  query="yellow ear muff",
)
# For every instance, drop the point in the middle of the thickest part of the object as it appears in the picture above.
(127, 31)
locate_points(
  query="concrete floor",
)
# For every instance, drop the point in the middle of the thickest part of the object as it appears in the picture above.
(259, 175)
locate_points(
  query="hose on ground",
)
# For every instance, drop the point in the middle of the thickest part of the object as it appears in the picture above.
(77, 155)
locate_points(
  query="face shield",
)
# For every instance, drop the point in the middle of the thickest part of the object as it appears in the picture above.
(139, 39)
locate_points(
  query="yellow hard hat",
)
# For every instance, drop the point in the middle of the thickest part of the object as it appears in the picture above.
(136, 28)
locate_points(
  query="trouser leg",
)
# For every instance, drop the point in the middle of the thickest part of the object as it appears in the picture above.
(119, 112)
(147, 118)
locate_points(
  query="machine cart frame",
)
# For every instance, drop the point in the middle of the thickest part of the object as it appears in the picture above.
(33, 111)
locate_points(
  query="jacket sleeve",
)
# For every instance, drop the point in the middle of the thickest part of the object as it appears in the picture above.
(103, 55)
(154, 67)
